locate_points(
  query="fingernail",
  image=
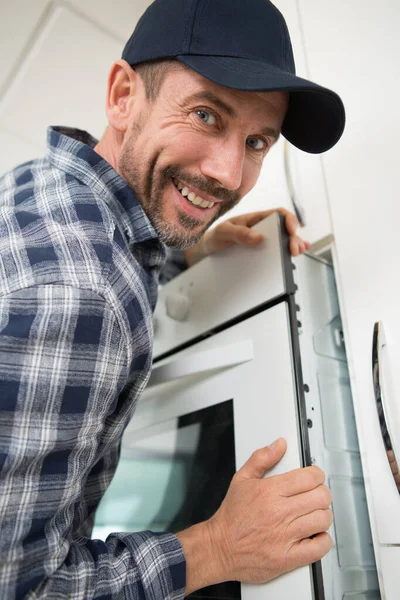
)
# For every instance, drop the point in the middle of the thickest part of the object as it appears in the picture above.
(274, 444)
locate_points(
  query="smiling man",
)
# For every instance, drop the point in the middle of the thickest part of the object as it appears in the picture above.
(203, 90)
(198, 147)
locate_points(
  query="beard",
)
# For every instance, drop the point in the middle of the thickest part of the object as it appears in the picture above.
(148, 184)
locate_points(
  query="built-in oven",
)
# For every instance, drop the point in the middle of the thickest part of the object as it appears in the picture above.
(248, 348)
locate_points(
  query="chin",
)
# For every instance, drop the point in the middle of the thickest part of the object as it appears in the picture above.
(174, 236)
(181, 241)
(183, 233)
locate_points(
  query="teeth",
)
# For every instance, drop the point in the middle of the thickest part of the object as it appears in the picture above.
(178, 184)
(191, 196)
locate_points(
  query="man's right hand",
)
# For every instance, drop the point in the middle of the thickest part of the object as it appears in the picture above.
(264, 527)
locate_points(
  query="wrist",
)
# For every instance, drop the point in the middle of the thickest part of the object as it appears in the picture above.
(196, 253)
(204, 560)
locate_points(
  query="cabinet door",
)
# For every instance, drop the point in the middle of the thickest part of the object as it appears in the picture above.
(353, 47)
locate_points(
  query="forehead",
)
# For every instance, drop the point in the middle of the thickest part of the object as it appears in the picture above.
(184, 83)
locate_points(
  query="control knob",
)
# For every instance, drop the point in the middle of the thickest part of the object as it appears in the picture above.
(177, 306)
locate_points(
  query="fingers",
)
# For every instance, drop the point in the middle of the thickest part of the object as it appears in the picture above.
(307, 525)
(298, 246)
(245, 236)
(253, 218)
(309, 550)
(237, 230)
(250, 219)
(302, 505)
(291, 222)
(299, 481)
(261, 460)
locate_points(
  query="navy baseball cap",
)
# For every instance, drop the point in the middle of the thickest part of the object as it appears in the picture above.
(244, 45)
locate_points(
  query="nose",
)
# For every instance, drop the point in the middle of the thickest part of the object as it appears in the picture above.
(224, 162)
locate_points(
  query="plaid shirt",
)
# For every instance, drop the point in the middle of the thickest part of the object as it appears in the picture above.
(79, 267)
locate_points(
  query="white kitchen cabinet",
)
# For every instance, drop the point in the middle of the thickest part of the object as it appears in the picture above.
(353, 47)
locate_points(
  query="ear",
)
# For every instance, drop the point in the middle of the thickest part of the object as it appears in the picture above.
(121, 90)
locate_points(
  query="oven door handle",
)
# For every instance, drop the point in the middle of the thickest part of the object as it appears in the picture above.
(222, 357)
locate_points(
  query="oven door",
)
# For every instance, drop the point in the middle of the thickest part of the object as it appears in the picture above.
(204, 412)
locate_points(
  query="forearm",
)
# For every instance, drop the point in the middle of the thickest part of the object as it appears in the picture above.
(144, 565)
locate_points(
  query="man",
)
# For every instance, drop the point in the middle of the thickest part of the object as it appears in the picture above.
(199, 97)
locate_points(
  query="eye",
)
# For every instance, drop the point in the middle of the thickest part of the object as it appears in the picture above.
(257, 143)
(205, 116)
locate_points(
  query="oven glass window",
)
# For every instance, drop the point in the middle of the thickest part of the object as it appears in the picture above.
(173, 475)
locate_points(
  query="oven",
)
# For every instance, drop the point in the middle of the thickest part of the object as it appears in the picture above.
(248, 348)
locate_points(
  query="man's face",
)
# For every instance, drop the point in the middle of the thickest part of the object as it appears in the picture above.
(192, 153)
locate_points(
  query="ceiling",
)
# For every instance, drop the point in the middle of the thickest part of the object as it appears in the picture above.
(55, 56)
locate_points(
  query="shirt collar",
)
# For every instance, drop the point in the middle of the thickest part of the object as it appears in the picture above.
(71, 150)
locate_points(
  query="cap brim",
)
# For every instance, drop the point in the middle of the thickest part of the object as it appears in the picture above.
(315, 118)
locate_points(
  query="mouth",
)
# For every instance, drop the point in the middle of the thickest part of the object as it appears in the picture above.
(193, 196)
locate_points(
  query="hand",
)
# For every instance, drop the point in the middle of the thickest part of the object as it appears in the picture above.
(237, 230)
(264, 526)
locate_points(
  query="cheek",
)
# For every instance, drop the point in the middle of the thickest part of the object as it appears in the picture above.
(183, 143)
(251, 173)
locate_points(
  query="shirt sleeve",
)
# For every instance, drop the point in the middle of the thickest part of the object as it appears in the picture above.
(174, 265)
(63, 366)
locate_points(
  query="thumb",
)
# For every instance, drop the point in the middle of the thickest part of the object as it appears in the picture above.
(262, 459)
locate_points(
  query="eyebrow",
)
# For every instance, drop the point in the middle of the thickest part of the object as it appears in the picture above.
(228, 110)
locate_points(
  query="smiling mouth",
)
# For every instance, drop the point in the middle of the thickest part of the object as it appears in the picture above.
(198, 201)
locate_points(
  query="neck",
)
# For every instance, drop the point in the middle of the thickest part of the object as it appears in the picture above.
(109, 146)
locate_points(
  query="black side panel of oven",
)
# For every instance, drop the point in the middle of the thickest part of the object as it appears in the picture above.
(318, 582)
(291, 287)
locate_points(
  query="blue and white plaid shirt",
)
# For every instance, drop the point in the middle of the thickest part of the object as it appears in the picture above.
(79, 268)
